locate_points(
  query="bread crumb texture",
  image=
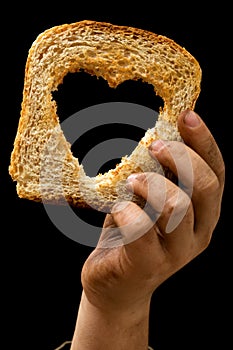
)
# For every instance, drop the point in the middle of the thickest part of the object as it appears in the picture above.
(41, 162)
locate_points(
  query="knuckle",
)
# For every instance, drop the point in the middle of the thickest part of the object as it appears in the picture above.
(209, 183)
(178, 202)
(204, 241)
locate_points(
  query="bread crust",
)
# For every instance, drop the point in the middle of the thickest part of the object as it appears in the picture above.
(45, 172)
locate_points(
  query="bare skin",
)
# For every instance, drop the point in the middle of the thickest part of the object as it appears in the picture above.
(118, 282)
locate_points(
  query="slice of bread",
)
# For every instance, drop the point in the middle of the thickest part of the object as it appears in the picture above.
(42, 162)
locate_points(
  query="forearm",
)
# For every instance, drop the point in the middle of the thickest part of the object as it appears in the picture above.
(97, 329)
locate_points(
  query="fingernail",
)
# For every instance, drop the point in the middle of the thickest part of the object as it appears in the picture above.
(191, 119)
(156, 146)
(129, 182)
(132, 177)
(119, 206)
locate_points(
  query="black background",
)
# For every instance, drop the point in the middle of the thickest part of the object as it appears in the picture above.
(41, 266)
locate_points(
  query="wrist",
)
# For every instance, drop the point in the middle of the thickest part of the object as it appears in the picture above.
(99, 328)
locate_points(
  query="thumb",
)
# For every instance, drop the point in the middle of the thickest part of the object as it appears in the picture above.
(111, 236)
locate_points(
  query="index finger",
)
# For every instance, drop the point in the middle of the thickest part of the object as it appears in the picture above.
(197, 136)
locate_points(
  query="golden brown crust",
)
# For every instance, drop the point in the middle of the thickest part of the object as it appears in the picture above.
(116, 53)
